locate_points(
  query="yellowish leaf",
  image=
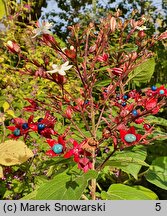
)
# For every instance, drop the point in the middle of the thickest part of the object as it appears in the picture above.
(11, 113)
(1, 59)
(1, 172)
(14, 152)
(6, 106)
(2, 9)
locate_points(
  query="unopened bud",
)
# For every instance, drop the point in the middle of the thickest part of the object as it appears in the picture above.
(141, 34)
(92, 48)
(117, 71)
(134, 56)
(70, 53)
(163, 36)
(49, 39)
(13, 46)
(68, 113)
(113, 24)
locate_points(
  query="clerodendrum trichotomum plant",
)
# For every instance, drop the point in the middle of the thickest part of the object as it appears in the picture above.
(94, 125)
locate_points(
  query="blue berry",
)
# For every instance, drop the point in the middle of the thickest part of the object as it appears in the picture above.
(124, 104)
(57, 148)
(41, 127)
(16, 132)
(25, 126)
(125, 97)
(130, 138)
(153, 88)
(40, 119)
(161, 91)
(134, 112)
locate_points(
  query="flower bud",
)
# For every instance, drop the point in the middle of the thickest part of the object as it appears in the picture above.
(70, 53)
(49, 39)
(163, 36)
(13, 46)
(92, 48)
(59, 78)
(103, 58)
(69, 112)
(113, 24)
(139, 120)
(141, 34)
(134, 56)
(117, 71)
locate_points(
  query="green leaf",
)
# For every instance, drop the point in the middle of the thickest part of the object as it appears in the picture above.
(147, 192)
(63, 187)
(143, 73)
(157, 173)
(102, 68)
(158, 134)
(30, 196)
(157, 120)
(124, 192)
(129, 48)
(130, 161)
(103, 83)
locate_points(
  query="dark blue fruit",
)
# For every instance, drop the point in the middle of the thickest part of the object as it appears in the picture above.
(41, 127)
(25, 126)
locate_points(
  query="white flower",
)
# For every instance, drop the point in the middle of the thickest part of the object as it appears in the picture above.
(60, 69)
(43, 28)
(141, 28)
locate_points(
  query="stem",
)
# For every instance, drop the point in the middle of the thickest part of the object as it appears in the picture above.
(102, 165)
(93, 181)
(4, 129)
(93, 119)
(77, 128)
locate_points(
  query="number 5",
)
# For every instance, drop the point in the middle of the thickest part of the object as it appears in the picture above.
(158, 206)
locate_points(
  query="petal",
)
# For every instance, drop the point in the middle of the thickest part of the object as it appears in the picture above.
(138, 137)
(51, 153)
(65, 64)
(61, 140)
(68, 154)
(34, 127)
(52, 71)
(68, 67)
(19, 121)
(132, 130)
(51, 142)
(122, 134)
(55, 66)
(62, 72)
(46, 31)
(12, 128)
(75, 144)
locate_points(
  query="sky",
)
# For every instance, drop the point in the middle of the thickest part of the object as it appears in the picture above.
(53, 5)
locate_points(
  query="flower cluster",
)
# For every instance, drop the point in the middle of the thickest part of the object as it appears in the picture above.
(99, 109)
(43, 126)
